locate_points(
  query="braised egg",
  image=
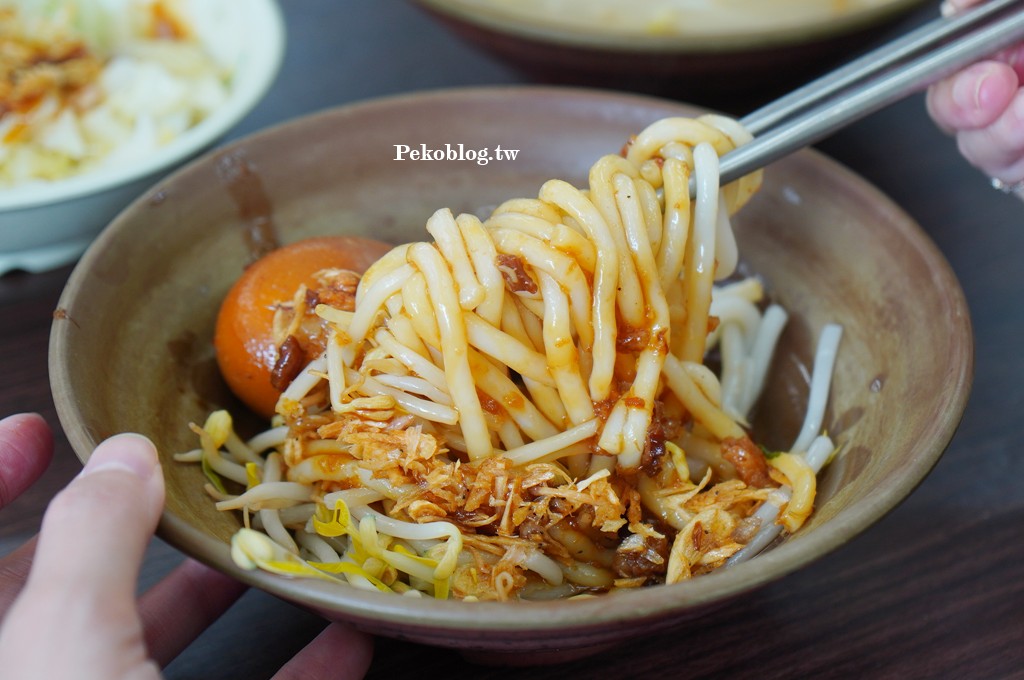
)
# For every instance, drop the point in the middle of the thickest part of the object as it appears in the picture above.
(244, 337)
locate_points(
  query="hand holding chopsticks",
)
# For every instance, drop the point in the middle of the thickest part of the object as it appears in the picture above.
(983, 106)
(903, 67)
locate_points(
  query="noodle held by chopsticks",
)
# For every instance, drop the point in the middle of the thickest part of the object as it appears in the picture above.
(525, 389)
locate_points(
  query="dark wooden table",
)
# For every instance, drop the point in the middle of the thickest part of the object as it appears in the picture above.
(936, 589)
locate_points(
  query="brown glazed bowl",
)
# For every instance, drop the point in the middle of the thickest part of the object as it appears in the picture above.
(700, 61)
(131, 349)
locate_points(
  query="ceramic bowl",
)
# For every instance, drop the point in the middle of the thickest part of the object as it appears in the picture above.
(131, 349)
(769, 47)
(47, 225)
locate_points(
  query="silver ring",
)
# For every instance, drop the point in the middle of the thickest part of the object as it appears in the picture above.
(1007, 187)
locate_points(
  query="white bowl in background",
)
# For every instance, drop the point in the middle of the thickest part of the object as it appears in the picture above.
(44, 226)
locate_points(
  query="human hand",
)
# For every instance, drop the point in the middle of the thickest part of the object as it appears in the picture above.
(67, 597)
(983, 106)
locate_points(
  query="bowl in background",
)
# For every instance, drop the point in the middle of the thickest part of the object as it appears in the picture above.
(670, 47)
(132, 348)
(46, 225)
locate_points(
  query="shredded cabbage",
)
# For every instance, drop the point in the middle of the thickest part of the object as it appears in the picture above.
(131, 76)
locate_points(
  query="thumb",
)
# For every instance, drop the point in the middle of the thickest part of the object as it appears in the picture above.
(96, 530)
(76, 616)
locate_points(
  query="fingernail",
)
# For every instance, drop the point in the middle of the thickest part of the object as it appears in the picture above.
(953, 6)
(130, 453)
(967, 92)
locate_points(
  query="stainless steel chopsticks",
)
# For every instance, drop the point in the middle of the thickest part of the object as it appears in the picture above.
(873, 81)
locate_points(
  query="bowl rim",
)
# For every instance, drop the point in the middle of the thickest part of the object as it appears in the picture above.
(251, 81)
(438, 618)
(712, 42)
